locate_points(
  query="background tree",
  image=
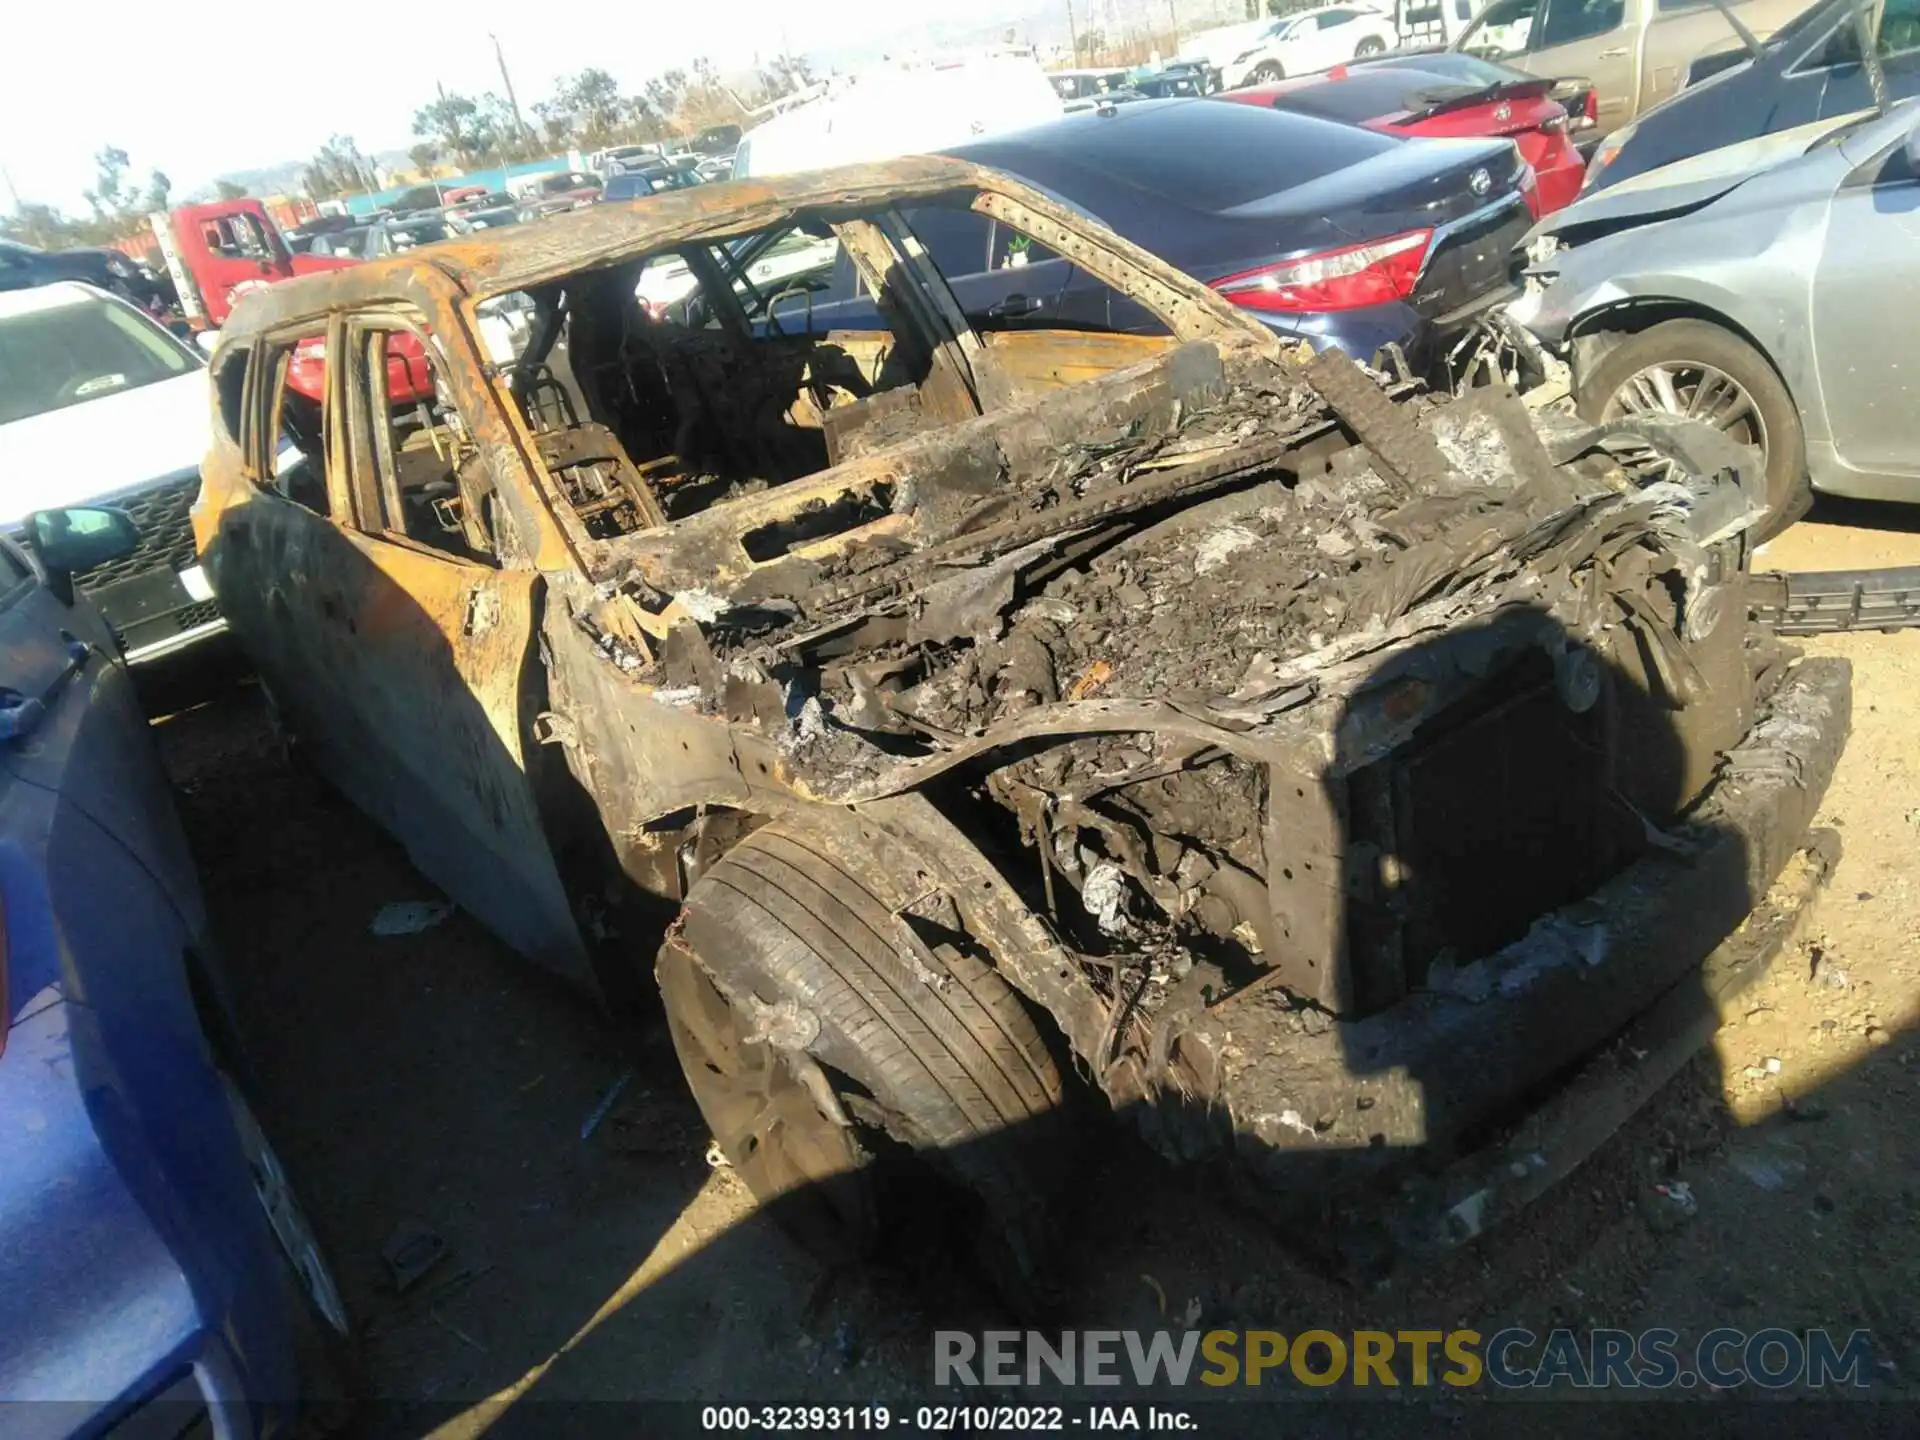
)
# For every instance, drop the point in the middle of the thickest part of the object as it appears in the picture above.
(338, 168)
(784, 75)
(424, 156)
(118, 203)
(665, 91)
(593, 105)
(705, 101)
(228, 190)
(556, 125)
(641, 121)
(504, 131)
(32, 223)
(454, 123)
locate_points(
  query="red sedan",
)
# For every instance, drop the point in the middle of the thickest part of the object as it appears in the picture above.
(1447, 96)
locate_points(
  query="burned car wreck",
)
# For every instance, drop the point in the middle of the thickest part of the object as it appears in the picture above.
(1331, 769)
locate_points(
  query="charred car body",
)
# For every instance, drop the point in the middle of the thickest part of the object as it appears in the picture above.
(1330, 770)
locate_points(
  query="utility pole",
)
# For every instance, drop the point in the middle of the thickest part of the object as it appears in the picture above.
(13, 195)
(524, 135)
(1073, 39)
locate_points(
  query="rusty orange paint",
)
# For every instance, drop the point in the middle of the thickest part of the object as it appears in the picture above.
(1097, 674)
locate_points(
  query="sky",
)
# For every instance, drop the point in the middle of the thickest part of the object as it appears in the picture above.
(248, 86)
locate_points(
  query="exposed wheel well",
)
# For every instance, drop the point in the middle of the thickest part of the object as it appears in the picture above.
(1599, 332)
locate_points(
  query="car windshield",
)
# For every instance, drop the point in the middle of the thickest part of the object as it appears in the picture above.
(421, 232)
(1806, 24)
(627, 187)
(70, 353)
(491, 219)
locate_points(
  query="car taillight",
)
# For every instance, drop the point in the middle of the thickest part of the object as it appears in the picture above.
(1343, 279)
(1554, 124)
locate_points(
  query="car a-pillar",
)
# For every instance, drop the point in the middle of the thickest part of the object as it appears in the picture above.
(865, 1065)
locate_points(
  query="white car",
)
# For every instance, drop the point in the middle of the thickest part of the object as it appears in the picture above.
(1214, 50)
(1307, 42)
(101, 405)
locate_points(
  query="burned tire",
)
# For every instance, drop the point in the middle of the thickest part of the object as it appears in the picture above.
(842, 1064)
(1267, 72)
(1369, 47)
(1692, 367)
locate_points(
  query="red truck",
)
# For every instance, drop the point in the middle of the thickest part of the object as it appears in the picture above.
(219, 251)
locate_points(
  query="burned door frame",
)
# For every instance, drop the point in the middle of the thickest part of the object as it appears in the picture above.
(429, 663)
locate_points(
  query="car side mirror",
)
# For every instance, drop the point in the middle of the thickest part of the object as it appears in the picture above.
(80, 537)
(1913, 153)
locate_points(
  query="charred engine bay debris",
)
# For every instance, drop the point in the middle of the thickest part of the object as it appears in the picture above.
(1123, 641)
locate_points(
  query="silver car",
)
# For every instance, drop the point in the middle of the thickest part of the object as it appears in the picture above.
(1772, 287)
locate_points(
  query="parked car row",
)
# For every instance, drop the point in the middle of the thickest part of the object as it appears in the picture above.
(1262, 51)
(1447, 96)
(24, 266)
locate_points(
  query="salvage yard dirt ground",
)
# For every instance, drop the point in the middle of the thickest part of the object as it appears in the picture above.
(435, 1078)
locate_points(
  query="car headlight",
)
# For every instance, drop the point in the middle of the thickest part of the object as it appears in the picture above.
(1608, 151)
(1246, 55)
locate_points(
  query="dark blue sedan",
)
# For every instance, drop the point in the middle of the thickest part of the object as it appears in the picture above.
(1338, 235)
(156, 1271)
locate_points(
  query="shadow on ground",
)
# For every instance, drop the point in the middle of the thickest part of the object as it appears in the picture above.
(436, 1078)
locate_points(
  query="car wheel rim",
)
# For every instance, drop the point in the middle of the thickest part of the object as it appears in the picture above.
(1698, 392)
(298, 1244)
(768, 1124)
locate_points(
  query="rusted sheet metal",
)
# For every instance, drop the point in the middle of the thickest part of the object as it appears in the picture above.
(432, 660)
